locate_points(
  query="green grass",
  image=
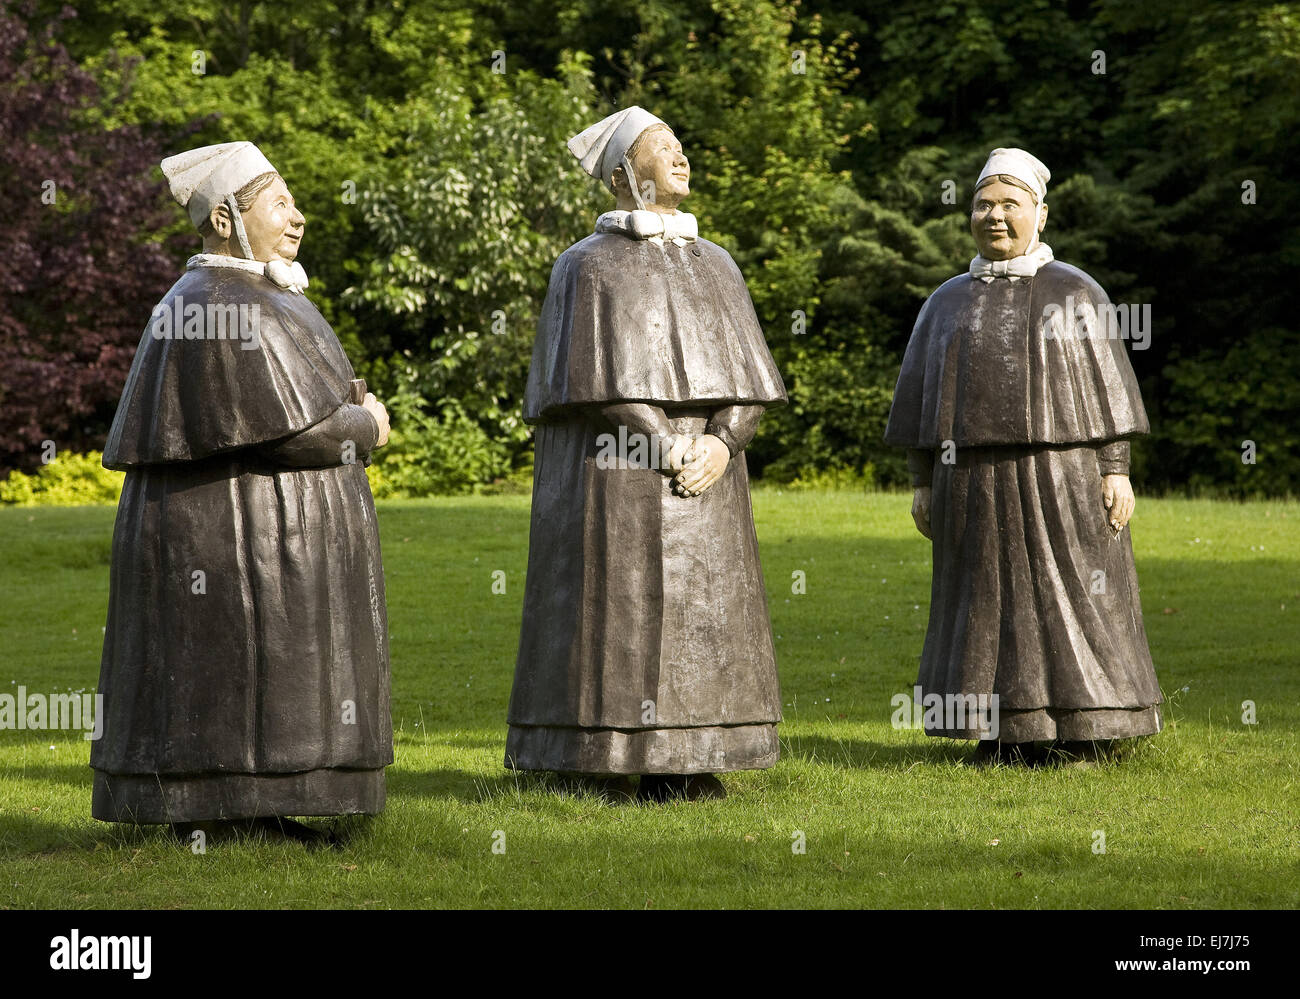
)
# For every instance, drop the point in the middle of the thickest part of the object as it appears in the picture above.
(1203, 815)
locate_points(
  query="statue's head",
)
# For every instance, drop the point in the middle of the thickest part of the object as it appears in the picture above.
(663, 173)
(237, 201)
(272, 223)
(637, 157)
(1009, 209)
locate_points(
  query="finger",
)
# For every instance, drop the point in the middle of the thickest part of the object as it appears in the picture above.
(714, 473)
(707, 481)
(694, 474)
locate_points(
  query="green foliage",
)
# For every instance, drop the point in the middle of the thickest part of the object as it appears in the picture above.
(68, 480)
(428, 455)
(842, 194)
(1218, 404)
(463, 228)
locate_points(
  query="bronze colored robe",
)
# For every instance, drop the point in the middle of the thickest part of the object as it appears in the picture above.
(1033, 599)
(245, 664)
(646, 645)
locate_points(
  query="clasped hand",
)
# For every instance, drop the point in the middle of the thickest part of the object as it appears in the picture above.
(698, 461)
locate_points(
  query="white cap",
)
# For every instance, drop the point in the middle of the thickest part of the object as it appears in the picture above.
(601, 147)
(1025, 167)
(203, 178)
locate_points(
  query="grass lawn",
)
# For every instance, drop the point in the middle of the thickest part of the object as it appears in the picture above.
(1203, 815)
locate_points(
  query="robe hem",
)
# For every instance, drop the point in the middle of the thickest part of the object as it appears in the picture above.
(147, 799)
(610, 751)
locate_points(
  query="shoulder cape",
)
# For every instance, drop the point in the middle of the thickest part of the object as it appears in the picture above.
(985, 367)
(629, 321)
(186, 399)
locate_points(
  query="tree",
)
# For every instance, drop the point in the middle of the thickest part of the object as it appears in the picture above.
(84, 263)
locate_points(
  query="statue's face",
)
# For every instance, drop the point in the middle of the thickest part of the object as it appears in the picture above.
(660, 160)
(1002, 220)
(274, 224)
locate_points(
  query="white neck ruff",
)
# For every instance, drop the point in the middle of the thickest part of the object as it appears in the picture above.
(1025, 265)
(290, 277)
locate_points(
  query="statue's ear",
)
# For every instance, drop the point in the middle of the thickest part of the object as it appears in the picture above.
(618, 181)
(219, 217)
(1042, 221)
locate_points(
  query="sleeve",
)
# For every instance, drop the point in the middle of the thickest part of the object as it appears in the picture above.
(1113, 457)
(920, 465)
(639, 418)
(321, 445)
(735, 426)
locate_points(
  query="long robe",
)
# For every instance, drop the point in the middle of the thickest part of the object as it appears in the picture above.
(646, 645)
(1012, 420)
(245, 668)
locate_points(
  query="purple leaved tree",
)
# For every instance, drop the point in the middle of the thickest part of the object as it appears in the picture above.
(79, 274)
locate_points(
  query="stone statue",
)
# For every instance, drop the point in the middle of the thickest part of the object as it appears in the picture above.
(1016, 401)
(646, 647)
(245, 669)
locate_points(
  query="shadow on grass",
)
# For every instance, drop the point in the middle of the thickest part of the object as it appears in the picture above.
(32, 834)
(461, 785)
(75, 774)
(866, 754)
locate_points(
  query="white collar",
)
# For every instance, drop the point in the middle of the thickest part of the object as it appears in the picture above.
(1025, 265)
(680, 227)
(291, 277)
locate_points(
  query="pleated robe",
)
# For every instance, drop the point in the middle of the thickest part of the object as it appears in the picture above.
(645, 645)
(245, 663)
(1034, 600)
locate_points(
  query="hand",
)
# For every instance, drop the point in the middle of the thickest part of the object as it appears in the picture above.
(705, 463)
(1117, 497)
(676, 457)
(376, 409)
(921, 509)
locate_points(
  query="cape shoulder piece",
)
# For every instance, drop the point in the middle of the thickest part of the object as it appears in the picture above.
(228, 360)
(629, 320)
(992, 363)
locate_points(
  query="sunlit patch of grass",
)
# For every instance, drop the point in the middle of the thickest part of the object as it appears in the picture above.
(1201, 816)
